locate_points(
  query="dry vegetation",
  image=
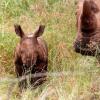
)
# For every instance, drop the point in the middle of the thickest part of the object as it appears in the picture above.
(78, 77)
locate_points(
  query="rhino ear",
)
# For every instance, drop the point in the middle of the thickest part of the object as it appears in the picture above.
(86, 8)
(19, 30)
(39, 31)
(88, 19)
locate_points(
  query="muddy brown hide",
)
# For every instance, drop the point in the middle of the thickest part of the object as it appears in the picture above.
(31, 57)
(87, 41)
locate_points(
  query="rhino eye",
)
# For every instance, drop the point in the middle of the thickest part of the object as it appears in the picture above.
(22, 52)
(94, 7)
(76, 13)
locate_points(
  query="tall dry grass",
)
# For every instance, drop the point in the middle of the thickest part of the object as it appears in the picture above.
(71, 76)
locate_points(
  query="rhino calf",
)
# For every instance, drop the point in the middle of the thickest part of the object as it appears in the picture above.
(87, 41)
(31, 57)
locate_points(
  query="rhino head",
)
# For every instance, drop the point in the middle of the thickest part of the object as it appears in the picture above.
(87, 41)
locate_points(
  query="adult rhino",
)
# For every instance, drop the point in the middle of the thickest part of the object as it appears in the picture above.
(87, 41)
